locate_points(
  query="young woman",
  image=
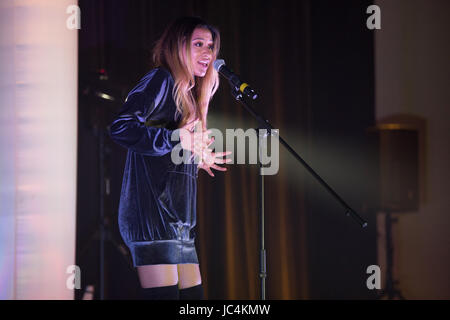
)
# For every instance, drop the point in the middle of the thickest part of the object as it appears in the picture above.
(157, 209)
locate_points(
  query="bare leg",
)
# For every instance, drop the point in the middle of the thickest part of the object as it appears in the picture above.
(188, 275)
(159, 275)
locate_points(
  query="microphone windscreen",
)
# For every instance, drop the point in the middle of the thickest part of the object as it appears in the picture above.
(218, 63)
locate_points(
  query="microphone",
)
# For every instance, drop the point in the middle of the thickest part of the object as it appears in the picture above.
(240, 85)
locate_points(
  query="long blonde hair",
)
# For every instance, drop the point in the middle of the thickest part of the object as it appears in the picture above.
(172, 51)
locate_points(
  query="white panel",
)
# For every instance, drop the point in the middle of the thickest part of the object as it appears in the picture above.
(38, 137)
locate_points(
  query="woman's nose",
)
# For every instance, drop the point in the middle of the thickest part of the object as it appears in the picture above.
(207, 51)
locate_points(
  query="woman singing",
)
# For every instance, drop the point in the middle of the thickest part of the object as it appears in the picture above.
(157, 209)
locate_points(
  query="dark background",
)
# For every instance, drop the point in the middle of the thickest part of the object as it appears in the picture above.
(312, 63)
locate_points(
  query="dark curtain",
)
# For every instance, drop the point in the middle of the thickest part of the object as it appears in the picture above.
(272, 45)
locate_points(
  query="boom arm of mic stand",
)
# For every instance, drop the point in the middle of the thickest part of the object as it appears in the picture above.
(265, 124)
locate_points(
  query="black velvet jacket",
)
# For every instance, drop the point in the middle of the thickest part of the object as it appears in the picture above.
(157, 209)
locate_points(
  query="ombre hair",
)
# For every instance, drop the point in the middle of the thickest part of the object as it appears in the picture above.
(173, 51)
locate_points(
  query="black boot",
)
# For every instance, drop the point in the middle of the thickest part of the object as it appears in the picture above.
(192, 293)
(160, 293)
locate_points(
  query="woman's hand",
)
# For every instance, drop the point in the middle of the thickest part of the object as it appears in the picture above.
(211, 159)
(195, 141)
(198, 143)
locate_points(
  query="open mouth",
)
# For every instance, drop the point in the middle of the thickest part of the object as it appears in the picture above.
(203, 64)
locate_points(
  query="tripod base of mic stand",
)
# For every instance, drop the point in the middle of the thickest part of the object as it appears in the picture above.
(391, 292)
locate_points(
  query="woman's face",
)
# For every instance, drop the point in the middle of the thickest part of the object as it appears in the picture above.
(201, 51)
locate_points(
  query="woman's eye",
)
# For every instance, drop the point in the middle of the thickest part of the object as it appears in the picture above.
(198, 44)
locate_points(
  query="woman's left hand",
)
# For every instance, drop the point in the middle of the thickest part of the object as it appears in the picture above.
(211, 159)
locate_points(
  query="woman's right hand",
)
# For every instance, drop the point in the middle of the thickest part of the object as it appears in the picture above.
(194, 141)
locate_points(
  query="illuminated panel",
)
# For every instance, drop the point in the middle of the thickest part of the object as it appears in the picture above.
(38, 145)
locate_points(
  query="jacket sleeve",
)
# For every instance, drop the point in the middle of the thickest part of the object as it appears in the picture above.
(128, 128)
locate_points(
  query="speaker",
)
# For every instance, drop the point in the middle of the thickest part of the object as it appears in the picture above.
(399, 168)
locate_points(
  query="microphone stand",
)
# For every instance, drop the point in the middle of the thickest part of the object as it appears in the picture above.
(264, 124)
(262, 136)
